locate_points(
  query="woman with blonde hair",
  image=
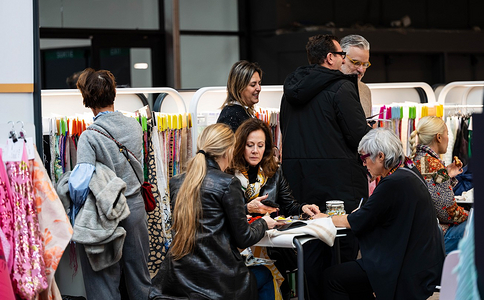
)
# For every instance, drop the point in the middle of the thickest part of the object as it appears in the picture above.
(428, 142)
(209, 224)
(243, 88)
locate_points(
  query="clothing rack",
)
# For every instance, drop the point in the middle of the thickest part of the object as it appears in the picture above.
(222, 91)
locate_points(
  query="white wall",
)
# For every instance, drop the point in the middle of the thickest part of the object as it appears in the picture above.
(17, 61)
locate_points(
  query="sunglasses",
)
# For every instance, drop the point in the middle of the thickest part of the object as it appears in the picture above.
(363, 157)
(342, 53)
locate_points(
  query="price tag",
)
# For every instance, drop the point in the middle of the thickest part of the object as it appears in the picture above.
(13, 151)
(30, 148)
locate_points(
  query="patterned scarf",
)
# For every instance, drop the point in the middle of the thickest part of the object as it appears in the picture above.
(251, 191)
(429, 151)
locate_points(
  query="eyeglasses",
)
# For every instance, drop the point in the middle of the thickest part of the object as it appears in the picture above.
(359, 63)
(342, 53)
(363, 157)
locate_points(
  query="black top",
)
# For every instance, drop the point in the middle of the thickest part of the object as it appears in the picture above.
(322, 123)
(400, 241)
(215, 270)
(233, 115)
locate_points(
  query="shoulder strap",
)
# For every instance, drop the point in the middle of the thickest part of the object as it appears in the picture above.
(122, 149)
(421, 180)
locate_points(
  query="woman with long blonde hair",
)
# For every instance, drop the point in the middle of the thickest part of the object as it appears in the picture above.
(209, 224)
(427, 142)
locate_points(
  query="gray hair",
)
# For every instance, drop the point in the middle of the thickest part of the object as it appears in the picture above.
(384, 141)
(354, 40)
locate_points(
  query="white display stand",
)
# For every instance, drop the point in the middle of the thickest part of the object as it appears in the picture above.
(212, 98)
(464, 96)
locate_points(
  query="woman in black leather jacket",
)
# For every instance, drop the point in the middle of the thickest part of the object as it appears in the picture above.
(262, 179)
(209, 224)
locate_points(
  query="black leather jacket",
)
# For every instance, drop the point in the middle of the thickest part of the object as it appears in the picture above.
(279, 192)
(215, 270)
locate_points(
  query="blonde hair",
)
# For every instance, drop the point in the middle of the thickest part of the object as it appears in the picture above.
(215, 141)
(426, 130)
(239, 78)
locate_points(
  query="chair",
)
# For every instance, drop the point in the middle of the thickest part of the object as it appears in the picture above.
(448, 283)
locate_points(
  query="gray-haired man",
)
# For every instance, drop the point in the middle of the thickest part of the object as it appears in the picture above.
(357, 60)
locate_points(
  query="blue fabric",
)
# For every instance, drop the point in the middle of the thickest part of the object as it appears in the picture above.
(79, 187)
(465, 182)
(265, 283)
(102, 113)
(453, 235)
(467, 288)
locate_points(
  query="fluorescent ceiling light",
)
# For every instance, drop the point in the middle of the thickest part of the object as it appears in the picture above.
(141, 66)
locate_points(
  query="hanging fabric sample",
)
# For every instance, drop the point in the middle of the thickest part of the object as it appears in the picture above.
(28, 274)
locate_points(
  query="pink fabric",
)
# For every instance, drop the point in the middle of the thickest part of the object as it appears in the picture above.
(28, 274)
(6, 211)
(5, 284)
(55, 227)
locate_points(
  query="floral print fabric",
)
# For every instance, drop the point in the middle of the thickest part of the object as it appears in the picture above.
(28, 274)
(54, 225)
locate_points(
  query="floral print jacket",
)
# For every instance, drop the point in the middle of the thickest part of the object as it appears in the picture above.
(440, 187)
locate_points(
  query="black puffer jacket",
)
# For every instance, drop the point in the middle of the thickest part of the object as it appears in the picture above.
(322, 123)
(215, 270)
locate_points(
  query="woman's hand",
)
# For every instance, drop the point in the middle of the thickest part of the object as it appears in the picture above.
(255, 206)
(311, 209)
(271, 223)
(454, 170)
(320, 215)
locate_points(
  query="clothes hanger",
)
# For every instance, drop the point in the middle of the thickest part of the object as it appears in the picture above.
(12, 134)
(22, 133)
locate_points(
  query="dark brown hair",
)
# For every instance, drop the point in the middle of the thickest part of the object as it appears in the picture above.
(319, 46)
(268, 163)
(98, 88)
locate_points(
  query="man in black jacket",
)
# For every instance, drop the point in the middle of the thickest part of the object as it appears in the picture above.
(322, 122)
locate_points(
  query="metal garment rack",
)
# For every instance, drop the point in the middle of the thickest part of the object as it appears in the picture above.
(465, 87)
(126, 91)
(193, 108)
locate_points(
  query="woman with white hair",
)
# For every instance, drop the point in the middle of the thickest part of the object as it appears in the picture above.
(400, 242)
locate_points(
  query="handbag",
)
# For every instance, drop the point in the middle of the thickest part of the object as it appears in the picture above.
(146, 192)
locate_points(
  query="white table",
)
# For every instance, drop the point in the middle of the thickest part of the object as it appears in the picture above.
(464, 200)
(296, 241)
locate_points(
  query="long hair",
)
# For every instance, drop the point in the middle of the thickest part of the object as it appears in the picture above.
(98, 88)
(216, 140)
(268, 162)
(239, 78)
(425, 132)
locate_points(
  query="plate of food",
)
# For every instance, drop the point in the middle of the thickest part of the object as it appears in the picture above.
(284, 220)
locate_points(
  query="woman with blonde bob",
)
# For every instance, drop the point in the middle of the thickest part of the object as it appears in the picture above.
(428, 141)
(209, 224)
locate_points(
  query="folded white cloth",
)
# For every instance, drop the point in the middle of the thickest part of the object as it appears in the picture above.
(322, 229)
